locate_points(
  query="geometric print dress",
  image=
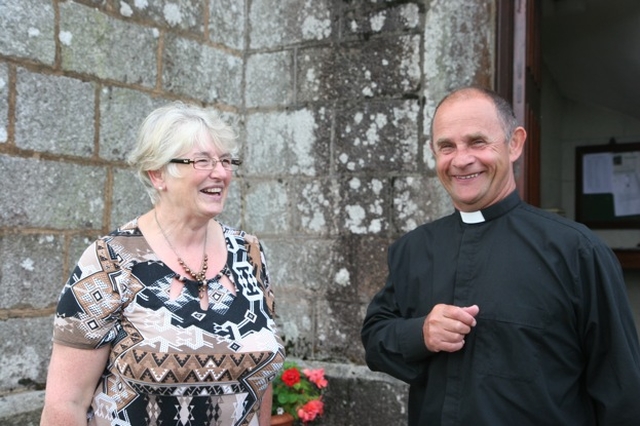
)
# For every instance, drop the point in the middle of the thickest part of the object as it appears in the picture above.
(171, 362)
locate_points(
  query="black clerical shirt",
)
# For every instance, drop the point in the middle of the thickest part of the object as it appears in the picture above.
(555, 342)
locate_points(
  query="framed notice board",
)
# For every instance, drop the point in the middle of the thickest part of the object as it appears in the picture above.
(608, 185)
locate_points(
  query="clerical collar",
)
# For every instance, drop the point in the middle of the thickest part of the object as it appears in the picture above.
(472, 217)
(491, 212)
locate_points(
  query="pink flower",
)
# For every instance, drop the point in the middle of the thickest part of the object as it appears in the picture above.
(316, 377)
(311, 410)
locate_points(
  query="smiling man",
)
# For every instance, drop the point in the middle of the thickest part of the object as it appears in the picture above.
(501, 313)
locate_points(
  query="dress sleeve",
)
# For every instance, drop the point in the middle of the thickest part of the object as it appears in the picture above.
(89, 308)
(610, 340)
(394, 342)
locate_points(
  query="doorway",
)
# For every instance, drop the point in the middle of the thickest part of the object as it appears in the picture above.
(590, 89)
(590, 95)
(570, 69)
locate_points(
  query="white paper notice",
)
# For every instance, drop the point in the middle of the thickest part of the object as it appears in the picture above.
(597, 173)
(626, 183)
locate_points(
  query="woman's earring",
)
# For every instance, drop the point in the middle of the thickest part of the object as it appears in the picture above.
(160, 188)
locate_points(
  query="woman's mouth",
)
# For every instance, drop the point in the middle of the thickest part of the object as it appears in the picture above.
(212, 191)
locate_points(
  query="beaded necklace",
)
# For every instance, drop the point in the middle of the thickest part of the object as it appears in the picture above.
(200, 277)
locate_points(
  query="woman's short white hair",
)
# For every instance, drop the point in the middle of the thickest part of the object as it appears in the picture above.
(171, 132)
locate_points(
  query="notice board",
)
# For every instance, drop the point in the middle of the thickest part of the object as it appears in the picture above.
(608, 185)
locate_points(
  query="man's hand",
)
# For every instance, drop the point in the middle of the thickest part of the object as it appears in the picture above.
(446, 326)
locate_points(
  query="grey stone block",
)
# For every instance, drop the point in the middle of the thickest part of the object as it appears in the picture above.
(317, 74)
(267, 207)
(378, 137)
(129, 199)
(316, 207)
(378, 17)
(25, 344)
(301, 264)
(96, 44)
(122, 111)
(21, 409)
(365, 205)
(296, 323)
(191, 68)
(31, 273)
(4, 103)
(300, 271)
(361, 268)
(232, 213)
(453, 55)
(380, 67)
(28, 30)
(338, 331)
(54, 114)
(269, 79)
(355, 396)
(51, 194)
(288, 21)
(77, 246)
(227, 22)
(186, 15)
(417, 200)
(289, 143)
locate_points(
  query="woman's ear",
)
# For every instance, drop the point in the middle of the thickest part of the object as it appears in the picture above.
(157, 179)
(516, 144)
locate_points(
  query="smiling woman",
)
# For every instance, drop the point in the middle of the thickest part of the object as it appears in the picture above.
(170, 294)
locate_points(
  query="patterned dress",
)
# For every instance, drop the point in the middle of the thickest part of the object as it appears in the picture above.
(172, 363)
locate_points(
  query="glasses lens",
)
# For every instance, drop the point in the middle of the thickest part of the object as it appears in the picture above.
(211, 163)
(227, 164)
(202, 163)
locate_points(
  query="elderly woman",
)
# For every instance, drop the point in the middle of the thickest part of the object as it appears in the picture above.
(168, 320)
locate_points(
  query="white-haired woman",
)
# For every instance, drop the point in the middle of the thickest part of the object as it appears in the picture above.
(169, 319)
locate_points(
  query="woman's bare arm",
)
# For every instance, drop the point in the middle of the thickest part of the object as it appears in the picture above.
(265, 407)
(71, 382)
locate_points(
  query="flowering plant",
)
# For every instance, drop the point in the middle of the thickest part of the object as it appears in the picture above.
(299, 394)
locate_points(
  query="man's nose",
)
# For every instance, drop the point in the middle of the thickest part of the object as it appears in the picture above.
(462, 157)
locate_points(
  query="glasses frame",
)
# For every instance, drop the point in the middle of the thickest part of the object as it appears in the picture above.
(234, 162)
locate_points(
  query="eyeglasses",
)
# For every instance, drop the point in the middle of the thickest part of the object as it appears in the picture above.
(205, 163)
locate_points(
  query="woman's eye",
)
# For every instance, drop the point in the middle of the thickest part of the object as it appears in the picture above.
(201, 162)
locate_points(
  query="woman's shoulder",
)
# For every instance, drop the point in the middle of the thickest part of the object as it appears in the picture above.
(129, 228)
(237, 234)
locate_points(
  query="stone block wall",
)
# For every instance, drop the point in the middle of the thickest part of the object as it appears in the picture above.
(332, 100)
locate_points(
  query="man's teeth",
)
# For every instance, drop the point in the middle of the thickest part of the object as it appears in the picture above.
(468, 176)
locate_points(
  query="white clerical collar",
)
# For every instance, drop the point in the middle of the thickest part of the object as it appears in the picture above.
(472, 217)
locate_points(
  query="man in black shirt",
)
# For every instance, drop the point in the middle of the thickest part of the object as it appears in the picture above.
(501, 313)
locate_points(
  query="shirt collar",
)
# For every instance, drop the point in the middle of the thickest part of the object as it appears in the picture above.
(472, 217)
(491, 212)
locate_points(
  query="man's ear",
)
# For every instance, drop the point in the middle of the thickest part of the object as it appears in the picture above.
(516, 144)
